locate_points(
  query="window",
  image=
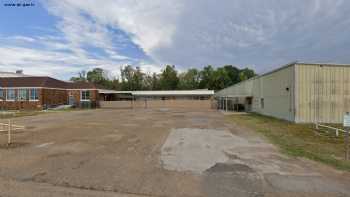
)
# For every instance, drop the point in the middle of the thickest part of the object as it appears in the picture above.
(262, 103)
(2, 95)
(33, 95)
(22, 94)
(10, 95)
(85, 95)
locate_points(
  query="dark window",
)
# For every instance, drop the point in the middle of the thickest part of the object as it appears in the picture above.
(2, 94)
(262, 104)
(10, 95)
(22, 94)
(85, 95)
(33, 95)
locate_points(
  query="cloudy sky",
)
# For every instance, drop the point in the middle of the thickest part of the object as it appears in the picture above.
(62, 37)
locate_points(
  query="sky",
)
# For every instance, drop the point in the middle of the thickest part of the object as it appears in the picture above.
(60, 38)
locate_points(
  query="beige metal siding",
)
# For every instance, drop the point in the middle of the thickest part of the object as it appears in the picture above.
(278, 101)
(323, 93)
(240, 89)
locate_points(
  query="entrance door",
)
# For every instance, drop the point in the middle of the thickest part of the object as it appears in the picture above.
(71, 100)
(248, 104)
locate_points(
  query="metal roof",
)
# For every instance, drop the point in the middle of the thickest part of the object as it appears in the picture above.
(283, 67)
(105, 91)
(43, 82)
(161, 92)
(11, 74)
(234, 96)
(173, 92)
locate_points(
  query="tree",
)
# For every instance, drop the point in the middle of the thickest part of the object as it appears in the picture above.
(96, 76)
(151, 81)
(233, 74)
(134, 79)
(155, 82)
(206, 77)
(169, 79)
(189, 80)
(220, 79)
(127, 74)
(138, 79)
(115, 84)
(246, 73)
(81, 77)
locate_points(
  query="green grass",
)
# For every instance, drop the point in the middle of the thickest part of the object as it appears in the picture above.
(298, 140)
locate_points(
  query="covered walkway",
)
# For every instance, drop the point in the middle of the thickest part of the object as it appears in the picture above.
(237, 103)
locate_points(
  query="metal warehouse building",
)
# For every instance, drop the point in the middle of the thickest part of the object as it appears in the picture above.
(298, 92)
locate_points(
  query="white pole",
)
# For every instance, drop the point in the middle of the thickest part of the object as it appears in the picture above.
(9, 133)
(347, 151)
(336, 132)
(132, 102)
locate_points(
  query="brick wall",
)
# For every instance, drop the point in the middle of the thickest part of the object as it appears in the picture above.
(50, 98)
(18, 105)
(54, 97)
(77, 94)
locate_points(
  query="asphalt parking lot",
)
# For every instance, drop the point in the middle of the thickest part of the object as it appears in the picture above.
(153, 152)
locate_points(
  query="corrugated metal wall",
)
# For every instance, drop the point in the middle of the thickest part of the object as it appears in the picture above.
(277, 91)
(275, 88)
(242, 88)
(323, 92)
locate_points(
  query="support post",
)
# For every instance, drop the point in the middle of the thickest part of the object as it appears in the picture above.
(347, 144)
(132, 102)
(9, 133)
(226, 105)
(223, 103)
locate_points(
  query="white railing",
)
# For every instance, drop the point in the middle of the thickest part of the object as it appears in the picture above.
(9, 127)
(337, 130)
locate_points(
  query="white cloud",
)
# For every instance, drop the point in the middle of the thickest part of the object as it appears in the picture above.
(150, 68)
(263, 34)
(200, 32)
(21, 38)
(52, 63)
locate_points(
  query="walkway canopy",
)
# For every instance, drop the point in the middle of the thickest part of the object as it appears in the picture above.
(110, 95)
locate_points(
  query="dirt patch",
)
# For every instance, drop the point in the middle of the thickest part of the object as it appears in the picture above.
(304, 184)
(151, 152)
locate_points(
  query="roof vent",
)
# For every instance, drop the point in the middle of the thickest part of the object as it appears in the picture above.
(19, 71)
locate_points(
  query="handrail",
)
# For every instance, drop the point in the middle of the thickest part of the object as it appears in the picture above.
(13, 127)
(10, 127)
(329, 127)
